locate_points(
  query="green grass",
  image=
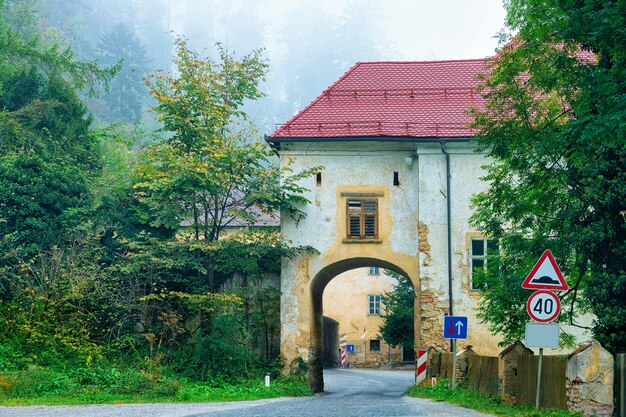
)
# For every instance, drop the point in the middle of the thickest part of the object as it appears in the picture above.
(50, 388)
(481, 402)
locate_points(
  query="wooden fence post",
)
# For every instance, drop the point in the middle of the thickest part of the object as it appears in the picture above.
(621, 374)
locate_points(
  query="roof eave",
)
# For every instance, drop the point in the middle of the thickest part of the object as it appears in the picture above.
(426, 139)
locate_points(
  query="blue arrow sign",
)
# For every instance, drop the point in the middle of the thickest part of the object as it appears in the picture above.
(455, 327)
(350, 348)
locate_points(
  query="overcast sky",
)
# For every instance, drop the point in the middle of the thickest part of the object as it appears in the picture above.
(308, 44)
(413, 29)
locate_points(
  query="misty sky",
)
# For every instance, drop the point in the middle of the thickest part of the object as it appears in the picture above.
(411, 29)
(308, 43)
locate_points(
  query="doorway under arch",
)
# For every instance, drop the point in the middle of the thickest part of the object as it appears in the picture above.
(317, 286)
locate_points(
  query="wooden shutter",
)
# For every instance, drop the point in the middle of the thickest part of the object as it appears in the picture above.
(362, 219)
(369, 219)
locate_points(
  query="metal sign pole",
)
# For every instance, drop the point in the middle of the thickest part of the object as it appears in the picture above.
(538, 395)
(453, 363)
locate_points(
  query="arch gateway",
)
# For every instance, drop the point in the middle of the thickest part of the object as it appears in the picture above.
(399, 173)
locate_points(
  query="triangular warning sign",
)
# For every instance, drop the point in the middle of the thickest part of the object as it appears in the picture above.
(545, 275)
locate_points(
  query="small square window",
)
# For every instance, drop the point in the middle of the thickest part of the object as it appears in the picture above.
(373, 270)
(373, 302)
(374, 345)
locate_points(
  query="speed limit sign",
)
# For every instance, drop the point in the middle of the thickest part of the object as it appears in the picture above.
(543, 306)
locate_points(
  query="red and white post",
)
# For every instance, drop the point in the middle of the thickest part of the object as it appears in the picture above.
(343, 344)
(420, 369)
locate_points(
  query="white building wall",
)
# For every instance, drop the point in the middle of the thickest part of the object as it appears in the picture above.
(412, 229)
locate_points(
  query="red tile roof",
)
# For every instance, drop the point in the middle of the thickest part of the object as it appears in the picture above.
(415, 99)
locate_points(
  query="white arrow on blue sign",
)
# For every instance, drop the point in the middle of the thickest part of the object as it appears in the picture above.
(455, 327)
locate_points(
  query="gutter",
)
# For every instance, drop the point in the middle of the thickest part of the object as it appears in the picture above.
(275, 142)
(449, 219)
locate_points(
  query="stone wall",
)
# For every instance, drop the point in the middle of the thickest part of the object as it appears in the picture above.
(589, 380)
(507, 370)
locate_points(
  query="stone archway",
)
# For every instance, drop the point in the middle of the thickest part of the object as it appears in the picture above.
(302, 305)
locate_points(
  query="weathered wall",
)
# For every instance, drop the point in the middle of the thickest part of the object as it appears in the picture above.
(412, 235)
(589, 380)
(349, 168)
(465, 171)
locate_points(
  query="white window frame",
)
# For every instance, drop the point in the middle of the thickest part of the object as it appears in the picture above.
(374, 304)
(481, 257)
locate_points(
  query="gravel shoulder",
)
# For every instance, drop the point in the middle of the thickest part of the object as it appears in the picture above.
(127, 410)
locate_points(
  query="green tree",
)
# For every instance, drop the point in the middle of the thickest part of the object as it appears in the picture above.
(53, 285)
(127, 93)
(397, 328)
(48, 155)
(211, 172)
(553, 126)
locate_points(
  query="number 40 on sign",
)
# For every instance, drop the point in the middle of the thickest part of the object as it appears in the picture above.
(543, 306)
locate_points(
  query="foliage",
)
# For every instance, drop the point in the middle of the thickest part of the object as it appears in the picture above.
(552, 126)
(481, 402)
(207, 175)
(211, 171)
(397, 328)
(30, 51)
(117, 281)
(123, 102)
(58, 307)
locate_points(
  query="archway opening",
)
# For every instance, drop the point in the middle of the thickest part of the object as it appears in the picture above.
(349, 309)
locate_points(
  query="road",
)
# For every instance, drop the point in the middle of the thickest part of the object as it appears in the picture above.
(349, 393)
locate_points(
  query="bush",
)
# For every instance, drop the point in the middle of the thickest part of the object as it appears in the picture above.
(34, 382)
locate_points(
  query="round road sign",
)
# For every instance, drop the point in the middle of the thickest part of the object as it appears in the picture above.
(543, 306)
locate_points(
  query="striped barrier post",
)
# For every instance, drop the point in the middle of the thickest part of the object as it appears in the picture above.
(420, 369)
(342, 344)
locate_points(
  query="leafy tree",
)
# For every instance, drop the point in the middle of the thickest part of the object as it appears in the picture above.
(397, 328)
(48, 156)
(211, 171)
(553, 126)
(53, 287)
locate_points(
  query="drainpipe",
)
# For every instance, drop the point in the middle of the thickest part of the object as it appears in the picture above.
(448, 211)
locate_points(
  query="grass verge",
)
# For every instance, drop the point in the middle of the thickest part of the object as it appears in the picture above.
(481, 402)
(167, 391)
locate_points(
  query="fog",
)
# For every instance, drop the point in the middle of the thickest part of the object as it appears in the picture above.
(308, 44)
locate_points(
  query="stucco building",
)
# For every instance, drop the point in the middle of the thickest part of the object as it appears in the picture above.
(352, 308)
(399, 173)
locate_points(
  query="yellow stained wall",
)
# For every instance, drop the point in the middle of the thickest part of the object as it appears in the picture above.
(346, 301)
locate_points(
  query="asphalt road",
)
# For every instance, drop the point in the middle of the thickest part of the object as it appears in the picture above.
(349, 393)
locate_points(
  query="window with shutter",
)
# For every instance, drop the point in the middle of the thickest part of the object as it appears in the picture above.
(362, 218)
